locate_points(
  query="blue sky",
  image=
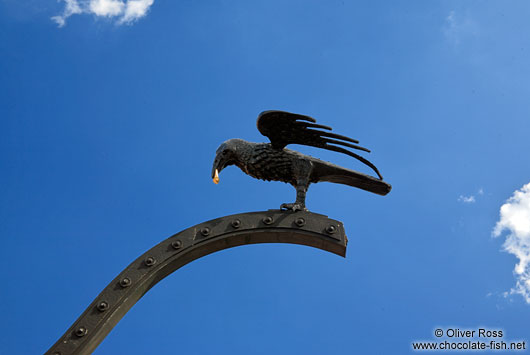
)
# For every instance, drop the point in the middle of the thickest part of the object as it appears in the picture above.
(110, 115)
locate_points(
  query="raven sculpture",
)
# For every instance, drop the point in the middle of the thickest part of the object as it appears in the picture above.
(272, 161)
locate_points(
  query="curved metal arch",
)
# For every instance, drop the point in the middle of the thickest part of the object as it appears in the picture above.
(273, 226)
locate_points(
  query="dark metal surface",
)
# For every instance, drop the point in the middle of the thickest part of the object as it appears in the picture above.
(273, 226)
(271, 161)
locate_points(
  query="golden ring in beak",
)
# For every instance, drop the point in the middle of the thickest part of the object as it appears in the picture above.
(216, 177)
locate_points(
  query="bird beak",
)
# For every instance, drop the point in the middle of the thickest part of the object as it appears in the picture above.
(218, 165)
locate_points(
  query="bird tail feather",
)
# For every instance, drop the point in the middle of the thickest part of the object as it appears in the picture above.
(324, 171)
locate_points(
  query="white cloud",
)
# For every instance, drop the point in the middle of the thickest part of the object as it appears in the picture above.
(136, 9)
(515, 218)
(125, 11)
(72, 7)
(471, 198)
(457, 28)
(466, 199)
(106, 8)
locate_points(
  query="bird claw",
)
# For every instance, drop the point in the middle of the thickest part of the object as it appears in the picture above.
(292, 207)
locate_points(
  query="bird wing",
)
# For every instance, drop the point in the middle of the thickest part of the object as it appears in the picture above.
(284, 128)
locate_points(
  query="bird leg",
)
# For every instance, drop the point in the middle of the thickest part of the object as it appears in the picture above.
(299, 204)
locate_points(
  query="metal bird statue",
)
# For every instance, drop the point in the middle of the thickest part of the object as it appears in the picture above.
(272, 161)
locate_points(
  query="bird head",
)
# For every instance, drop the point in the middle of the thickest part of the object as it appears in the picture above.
(227, 154)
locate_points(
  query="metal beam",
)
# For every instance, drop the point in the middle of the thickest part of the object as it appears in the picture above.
(273, 226)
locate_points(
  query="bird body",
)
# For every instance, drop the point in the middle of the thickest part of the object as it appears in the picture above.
(267, 163)
(272, 161)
